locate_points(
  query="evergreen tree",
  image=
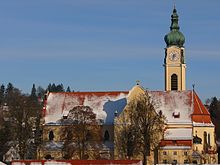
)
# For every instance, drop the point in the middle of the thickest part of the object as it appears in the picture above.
(49, 87)
(2, 93)
(53, 88)
(9, 88)
(8, 92)
(214, 107)
(40, 92)
(60, 88)
(68, 89)
(33, 93)
(214, 110)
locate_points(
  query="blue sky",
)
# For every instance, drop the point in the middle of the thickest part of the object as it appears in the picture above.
(99, 45)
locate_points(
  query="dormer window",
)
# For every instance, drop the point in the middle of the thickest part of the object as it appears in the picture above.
(65, 114)
(176, 114)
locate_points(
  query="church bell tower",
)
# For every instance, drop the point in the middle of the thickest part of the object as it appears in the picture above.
(174, 61)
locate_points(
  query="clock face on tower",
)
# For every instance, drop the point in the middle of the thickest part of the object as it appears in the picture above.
(174, 56)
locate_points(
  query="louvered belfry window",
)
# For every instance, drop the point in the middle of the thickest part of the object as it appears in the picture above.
(174, 82)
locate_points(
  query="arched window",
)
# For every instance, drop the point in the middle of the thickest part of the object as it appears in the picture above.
(205, 137)
(205, 144)
(174, 82)
(209, 139)
(51, 135)
(106, 136)
(48, 157)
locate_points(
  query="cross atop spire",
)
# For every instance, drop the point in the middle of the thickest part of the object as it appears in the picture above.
(174, 20)
(174, 4)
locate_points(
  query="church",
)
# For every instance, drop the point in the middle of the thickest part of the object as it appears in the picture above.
(189, 135)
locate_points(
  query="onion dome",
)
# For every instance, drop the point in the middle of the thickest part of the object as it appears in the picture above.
(174, 37)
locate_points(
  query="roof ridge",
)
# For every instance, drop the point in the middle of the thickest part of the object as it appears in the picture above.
(199, 102)
(196, 98)
(92, 92)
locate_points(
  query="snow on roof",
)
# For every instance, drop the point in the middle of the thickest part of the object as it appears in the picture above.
(179, 107)
(176, 147)
(104, 104)
(175, 105)
(51, 145)
(178, 134)
(78, 162)
(53, 162)
(203, 124)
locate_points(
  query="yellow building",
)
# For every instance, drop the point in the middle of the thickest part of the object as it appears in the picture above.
(176, 147)
(189, 136)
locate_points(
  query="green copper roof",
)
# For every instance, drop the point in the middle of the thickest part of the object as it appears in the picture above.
(174, 37)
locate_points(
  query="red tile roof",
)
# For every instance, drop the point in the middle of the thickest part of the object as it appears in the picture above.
(59, 103)
(200, 113)
(175, 143)
(80, 162)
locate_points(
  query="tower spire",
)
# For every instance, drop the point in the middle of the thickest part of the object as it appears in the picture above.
(174, 20)
(174, 37)
(174, 64)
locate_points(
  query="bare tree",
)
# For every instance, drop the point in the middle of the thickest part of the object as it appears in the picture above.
(139, 128)
(24, 112)
(125, 134)
(82, 134)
